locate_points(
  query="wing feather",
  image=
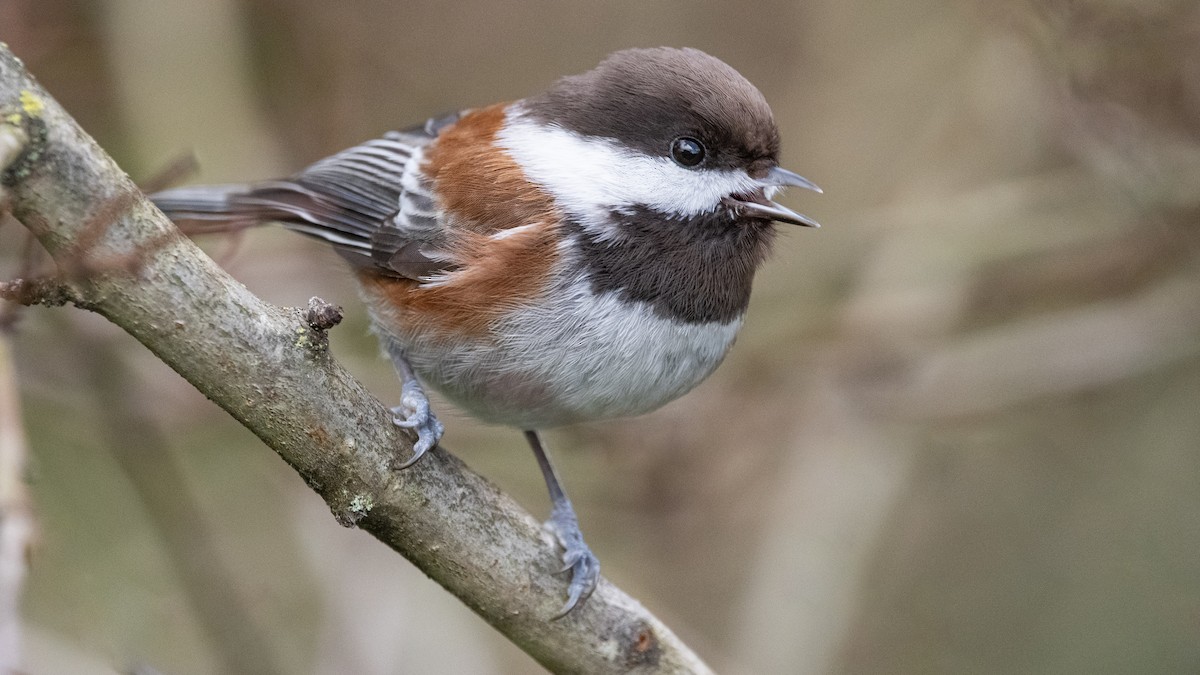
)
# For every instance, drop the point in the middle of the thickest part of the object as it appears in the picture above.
(370, 201)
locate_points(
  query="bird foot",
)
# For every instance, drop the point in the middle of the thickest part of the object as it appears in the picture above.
(414, 413)
(577, 558)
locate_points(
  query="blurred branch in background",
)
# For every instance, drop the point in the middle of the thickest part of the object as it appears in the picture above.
(16, 511)
(270, 369)
(144, 454)
(1007, 340)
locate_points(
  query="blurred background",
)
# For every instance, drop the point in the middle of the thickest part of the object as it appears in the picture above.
(960, 431)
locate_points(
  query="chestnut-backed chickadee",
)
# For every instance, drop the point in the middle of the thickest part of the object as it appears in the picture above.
(582, 254)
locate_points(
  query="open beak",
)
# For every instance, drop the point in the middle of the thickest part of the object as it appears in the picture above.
(758, 206)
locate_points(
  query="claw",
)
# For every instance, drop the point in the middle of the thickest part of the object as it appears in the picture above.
(572, 556)
(577, 558)
(414, 413)
(585, 572)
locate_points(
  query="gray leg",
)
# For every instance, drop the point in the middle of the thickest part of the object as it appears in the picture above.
(413, 411)
(577, 558)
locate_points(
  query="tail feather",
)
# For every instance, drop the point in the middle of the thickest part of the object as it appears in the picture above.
(201, 202)
(218, 208)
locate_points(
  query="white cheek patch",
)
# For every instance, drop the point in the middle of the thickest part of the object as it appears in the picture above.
(590, 176)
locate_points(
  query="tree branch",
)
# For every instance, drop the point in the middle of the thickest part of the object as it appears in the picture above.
(269, 368)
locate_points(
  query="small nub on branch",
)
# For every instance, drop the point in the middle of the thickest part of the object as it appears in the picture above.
(47, 292)
(321, 315)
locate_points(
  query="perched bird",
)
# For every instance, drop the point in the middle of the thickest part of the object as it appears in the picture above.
(582, 254)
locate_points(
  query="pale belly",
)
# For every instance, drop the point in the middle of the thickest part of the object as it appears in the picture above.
(579, 359)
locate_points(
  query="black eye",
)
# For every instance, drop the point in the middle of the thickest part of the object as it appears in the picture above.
(687, 151)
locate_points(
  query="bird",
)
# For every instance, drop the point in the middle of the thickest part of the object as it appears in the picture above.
(585, 253)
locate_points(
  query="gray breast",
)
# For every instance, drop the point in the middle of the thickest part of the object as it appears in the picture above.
(581, 356)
